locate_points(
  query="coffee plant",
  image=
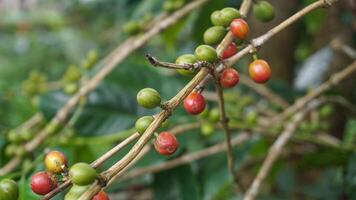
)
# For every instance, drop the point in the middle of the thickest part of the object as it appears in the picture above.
(100, 133)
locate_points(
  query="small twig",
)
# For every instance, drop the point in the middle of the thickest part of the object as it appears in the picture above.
(275, 150)
(196, 66)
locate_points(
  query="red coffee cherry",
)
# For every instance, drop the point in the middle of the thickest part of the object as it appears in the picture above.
(55, 162)
(194, 103)
(229, 51)
(229, 78)
(166, 143)
(101, 196)
(239, 28)
(42, 183)
(259, 71)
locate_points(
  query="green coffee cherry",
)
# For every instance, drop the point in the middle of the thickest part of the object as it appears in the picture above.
(132, 27)
(228, 14)
(215, 18)
(148, 98)
(207, 128)
(214, 115)
(186, 59)
(10, 150)
(204, 114)
(82, 174)
(14, 137)
(143, 123)
(8, 190)
(172, 5)
(251, 118)
(206, 53)
(20, 151)
(326, 111)
(52, 127)
(214, 35)
(263, 11)
(72, 74)
(75, 192)
(70, 88)
(26, 135)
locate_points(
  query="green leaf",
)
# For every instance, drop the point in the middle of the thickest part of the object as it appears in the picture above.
(350, 177)
(186, 183)
(350, 133)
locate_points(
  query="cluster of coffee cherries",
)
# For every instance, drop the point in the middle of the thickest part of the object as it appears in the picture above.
(9, 189)
(16, 139)
(35, 84)
(73, 73)
(81, 174)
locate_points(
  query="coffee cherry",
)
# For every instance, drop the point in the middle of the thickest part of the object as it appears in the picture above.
(70, 88)
(186, 59)
(55, 162)
(14, 137)
(72, 74)
(132, 27)
(229, 51)
(263, 11)
(8, 190)
(42, 183)
(239, 28)
(194, 103)
(214, 115)
(215, 18)
(207, 128)
(101, 196)
(10, 150)
(228, 14)
(229, 78)
(143, 123)
(166, 143)
(206, 53)
(82, 174)
(259, 71)
(26, 135)
(214, 35)
(148, 98)
(172, 5)
(75, 192)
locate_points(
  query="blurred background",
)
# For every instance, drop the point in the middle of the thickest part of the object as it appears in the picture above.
(46, 46)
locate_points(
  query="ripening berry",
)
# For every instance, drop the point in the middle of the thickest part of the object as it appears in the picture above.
(206, 53)
(229, 78)
(259, 71)
(42, 183)
(194, 103)
(55, 162)
(143, 123)
(166, 143)
(101, 196)
(229, 51)
(263, 11)
(9, 190)
(148, 98)
(214, 35)
(239, 28)
(82, 174)
(186, 59)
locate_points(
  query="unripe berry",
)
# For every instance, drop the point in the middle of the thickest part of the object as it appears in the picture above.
(206, 53)
(14, 137)
(10, 150)
(75, 192)
(166, 143)
(214, 35)
(70, 88)
(186, 59)
(172, 5)
(42, 183)
(101, 196)
(229, 51)
(239, 28)
(263, 11)
(207, 128)
(55, 162)
(143, 123)
(228, 14)
(215, 18)
(132, 27)
(72, 74)
(214, 115)
(259, 71)
(229, 78)
(148, 98)
(82, 174)
(194, 103)
(8, 190)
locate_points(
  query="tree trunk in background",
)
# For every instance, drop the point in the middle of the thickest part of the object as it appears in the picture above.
(334, 28)
(279, 51)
